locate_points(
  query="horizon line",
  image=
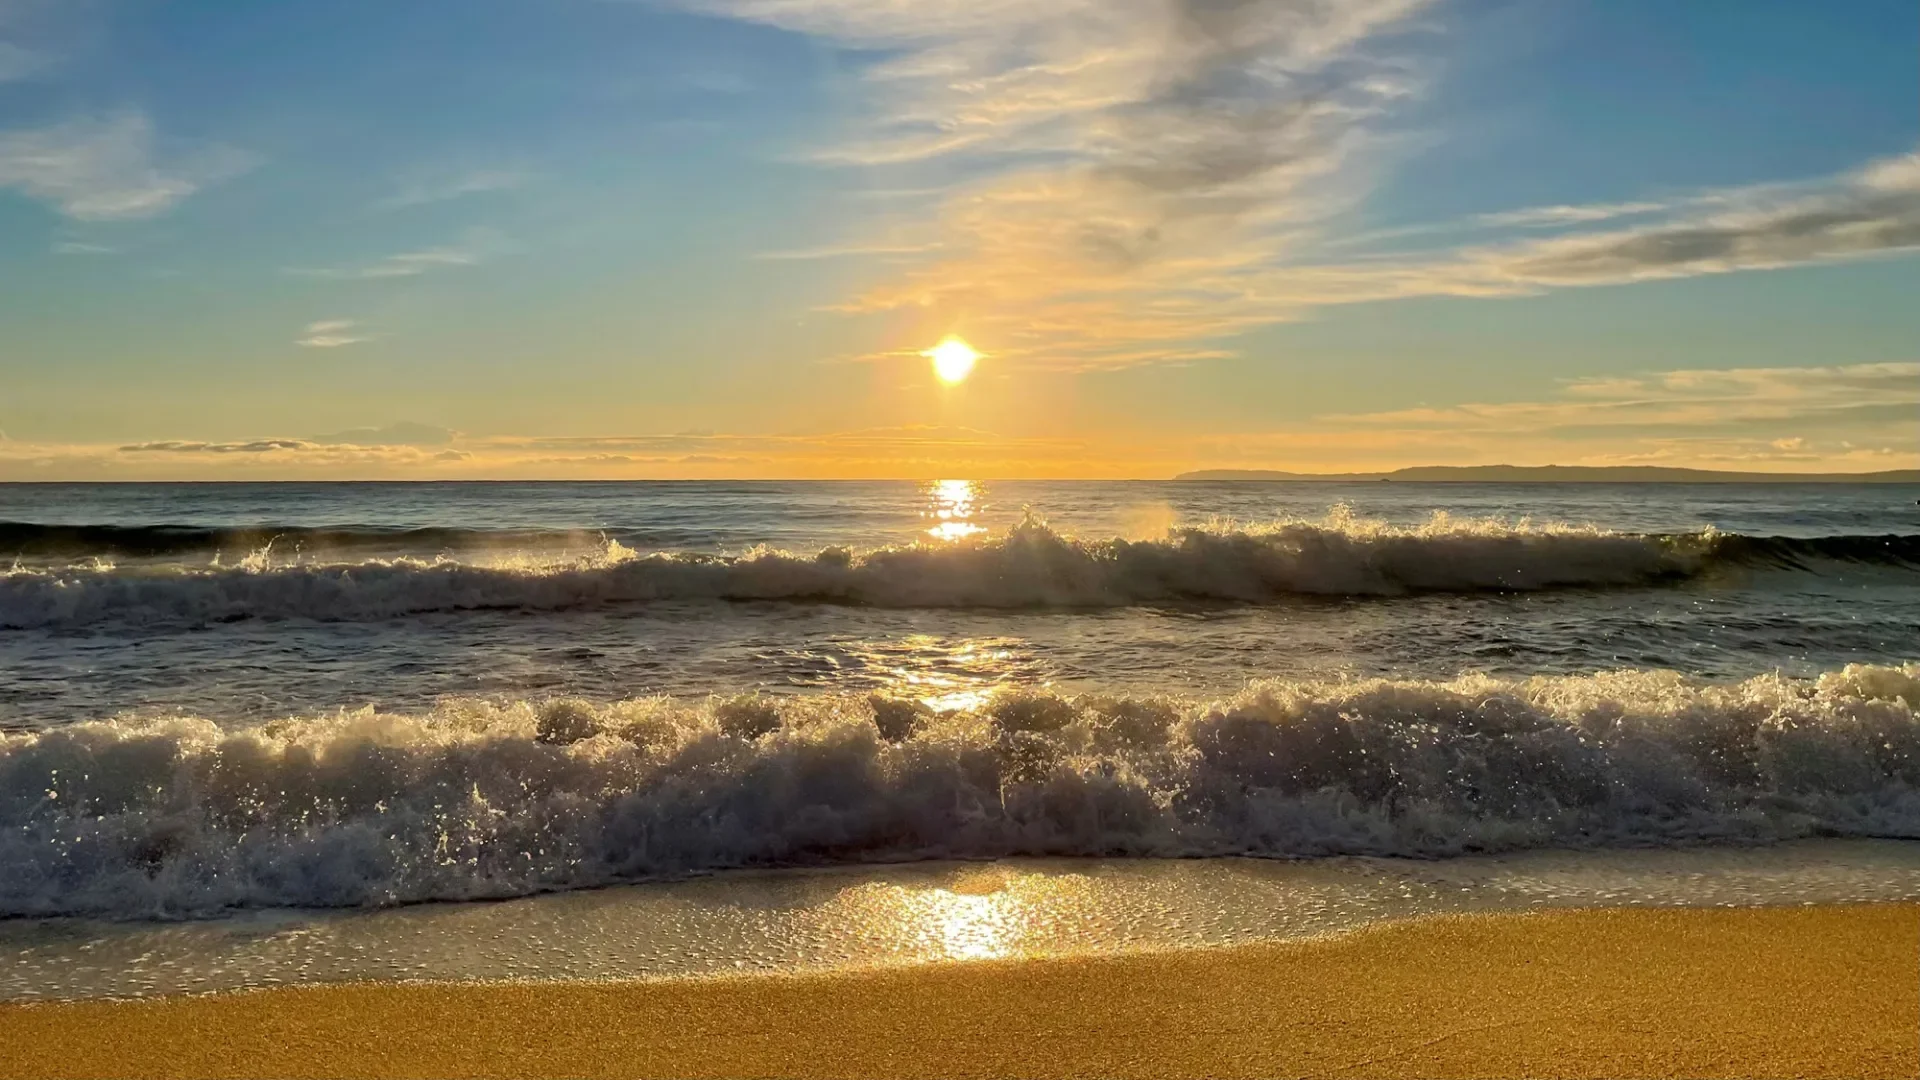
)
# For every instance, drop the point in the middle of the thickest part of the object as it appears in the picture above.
(1679, 474)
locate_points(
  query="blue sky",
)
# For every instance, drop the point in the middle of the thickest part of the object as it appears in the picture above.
(713, 237)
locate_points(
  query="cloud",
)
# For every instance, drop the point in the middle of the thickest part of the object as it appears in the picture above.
(330, 334)
(257, 446)
(17, 63)
(37, 34)
(74, 247)
(479, 182)
(1569, 215)
(846, 252)
(109, 168)
(1871, 211)
(1138, 156)
(1874, 210)
(403, 433)
(1817, 414)
(405, 264)
(1148, 178)
(473, 251)
(413, 450)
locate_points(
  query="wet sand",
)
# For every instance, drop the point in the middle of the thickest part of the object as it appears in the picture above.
(1813, 991)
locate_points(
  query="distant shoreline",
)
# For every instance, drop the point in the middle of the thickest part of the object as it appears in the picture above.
(1555, 474)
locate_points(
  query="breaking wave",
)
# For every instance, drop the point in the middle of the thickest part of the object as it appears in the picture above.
(1032, 566)
(180, 817)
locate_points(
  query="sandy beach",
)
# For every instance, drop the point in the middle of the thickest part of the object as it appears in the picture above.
(1818, 991)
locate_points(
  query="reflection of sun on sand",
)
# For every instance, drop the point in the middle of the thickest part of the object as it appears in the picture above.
(1813, 991)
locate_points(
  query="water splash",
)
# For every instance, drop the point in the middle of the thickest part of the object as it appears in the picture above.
(179, 816)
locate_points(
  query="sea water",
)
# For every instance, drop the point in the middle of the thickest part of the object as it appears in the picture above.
(254, 703)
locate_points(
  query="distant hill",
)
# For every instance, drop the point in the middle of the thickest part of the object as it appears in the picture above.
(1564, 474)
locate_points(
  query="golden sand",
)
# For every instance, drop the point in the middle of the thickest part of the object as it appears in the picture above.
(1825, 991)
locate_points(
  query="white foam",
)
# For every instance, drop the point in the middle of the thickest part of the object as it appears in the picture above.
(168, 817)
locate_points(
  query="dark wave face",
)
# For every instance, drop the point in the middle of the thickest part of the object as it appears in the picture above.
(475, 799)
(1799, 553)
(1031, 567)
(29, 542)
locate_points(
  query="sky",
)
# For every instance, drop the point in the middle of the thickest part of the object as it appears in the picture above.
(331, 239)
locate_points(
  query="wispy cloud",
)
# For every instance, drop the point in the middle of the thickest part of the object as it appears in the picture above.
(1846, 416)
(75, 247)
(447, 188)
(18, 63)
(473, 251)
(1156, 176)
(330, 334)
(175, 446)
(402, 439)
(847, 251)
(402, 433)
(1871, 211)
(1570, 215)
(35, 36)
(109, 168)
(423, 451)
(1140, 155)
(1874, 210)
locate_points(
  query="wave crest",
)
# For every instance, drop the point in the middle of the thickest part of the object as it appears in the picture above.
(1032, 566)
(176, 817)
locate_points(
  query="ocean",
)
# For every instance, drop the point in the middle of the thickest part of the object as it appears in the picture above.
(1188, 712)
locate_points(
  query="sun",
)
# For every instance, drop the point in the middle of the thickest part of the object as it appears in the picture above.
(953, 360)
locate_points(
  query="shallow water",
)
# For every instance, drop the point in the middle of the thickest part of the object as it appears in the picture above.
(861, 917)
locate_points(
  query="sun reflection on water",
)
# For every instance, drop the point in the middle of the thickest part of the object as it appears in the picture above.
(952, 506)
(981, 914)
(948, 674)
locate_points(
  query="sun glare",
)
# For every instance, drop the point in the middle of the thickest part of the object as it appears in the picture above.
(953, 360)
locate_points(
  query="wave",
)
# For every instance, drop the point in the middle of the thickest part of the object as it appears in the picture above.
(1809, 553)
(22, 540)
(179, 817)
(1031, 567)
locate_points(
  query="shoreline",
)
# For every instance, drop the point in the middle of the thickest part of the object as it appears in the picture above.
(1806, 991)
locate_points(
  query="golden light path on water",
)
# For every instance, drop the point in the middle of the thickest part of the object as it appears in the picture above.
(947, 674)
(952, 505)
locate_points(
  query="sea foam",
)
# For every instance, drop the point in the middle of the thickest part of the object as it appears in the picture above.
(179, 816)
